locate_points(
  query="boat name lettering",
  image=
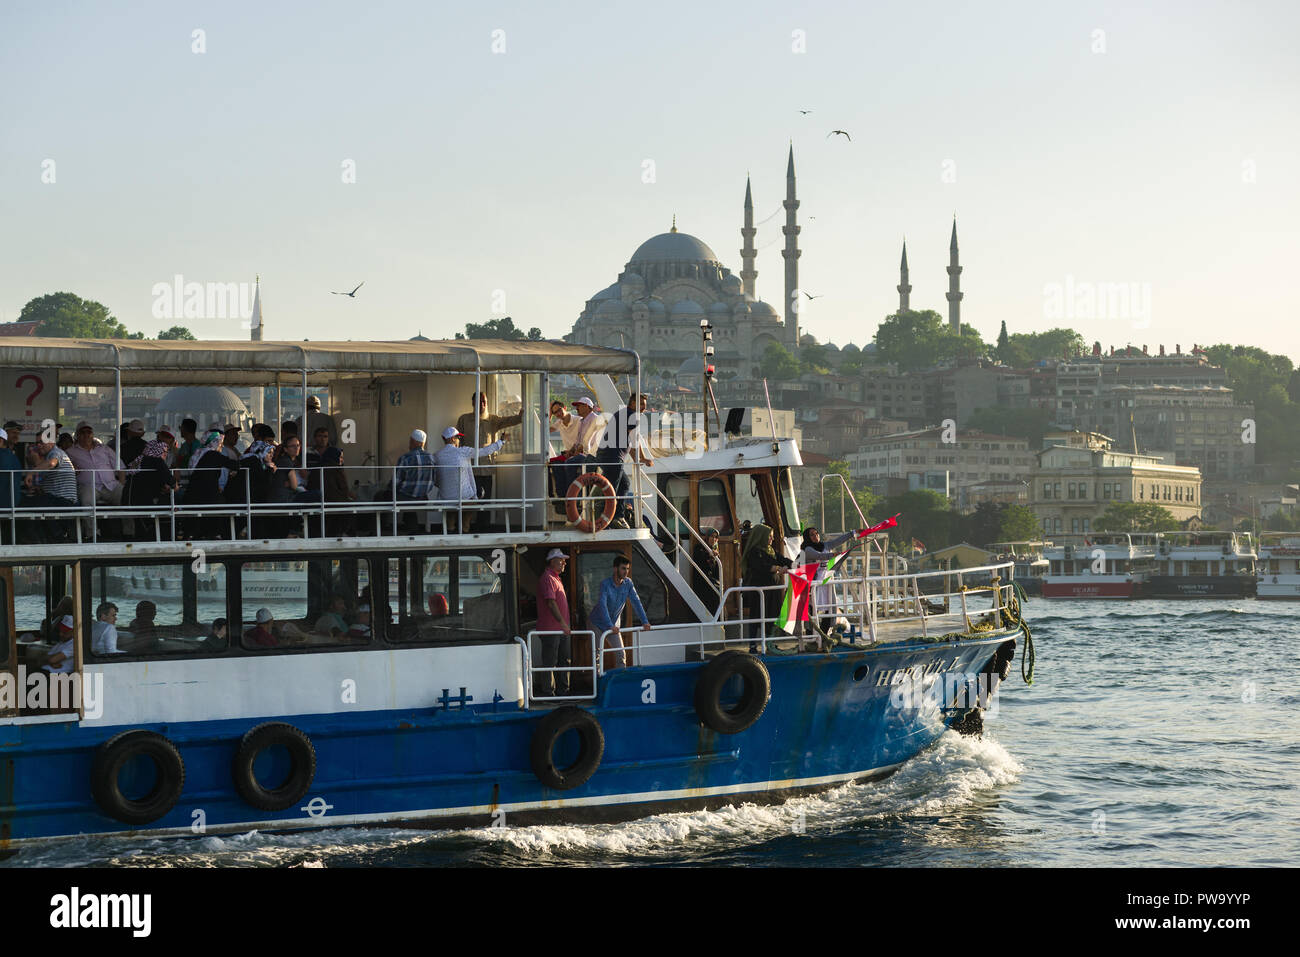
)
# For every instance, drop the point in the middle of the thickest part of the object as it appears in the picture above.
(894, 676)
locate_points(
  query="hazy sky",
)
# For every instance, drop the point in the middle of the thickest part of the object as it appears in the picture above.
(1162, 151)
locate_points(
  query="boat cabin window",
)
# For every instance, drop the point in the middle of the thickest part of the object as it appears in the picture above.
(749, 507)
(156, 609)
(715, 509)
(40, 591)
(448, 597)
(595, 566)
(314, 603)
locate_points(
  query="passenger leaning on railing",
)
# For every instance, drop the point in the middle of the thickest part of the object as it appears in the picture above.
(456, 481)
(615, 592)
(416, 475)
(11, 483)
(761, 567)
(51, 485)
(99, 481)
(553, 615)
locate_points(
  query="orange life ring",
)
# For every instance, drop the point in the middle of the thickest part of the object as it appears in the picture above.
(575, 495)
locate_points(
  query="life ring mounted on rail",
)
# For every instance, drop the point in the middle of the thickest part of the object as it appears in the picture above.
(578, 494)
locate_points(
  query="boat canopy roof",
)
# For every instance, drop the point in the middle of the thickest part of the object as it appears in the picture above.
(150, 362)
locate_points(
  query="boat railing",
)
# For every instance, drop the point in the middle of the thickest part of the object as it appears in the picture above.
(679, 522)
(375, 506)
(845, 493)
(531, 670)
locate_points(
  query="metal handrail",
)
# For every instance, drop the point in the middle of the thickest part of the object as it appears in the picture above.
(571, 668)
(679, 521)
(847, 492)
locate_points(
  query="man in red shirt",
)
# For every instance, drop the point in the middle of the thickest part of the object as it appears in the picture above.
(553, 616)
(262, 635)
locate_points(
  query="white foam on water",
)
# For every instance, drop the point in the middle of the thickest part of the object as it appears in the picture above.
(949, 775)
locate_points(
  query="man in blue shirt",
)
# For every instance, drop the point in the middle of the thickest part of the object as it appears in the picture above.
(615, 592)
(416, 476)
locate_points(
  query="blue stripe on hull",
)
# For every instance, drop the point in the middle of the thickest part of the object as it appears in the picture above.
(822, 726)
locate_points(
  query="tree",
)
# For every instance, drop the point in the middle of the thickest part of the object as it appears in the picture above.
(64, 315)
(1265, 381)
(1002, 342)
(1019, 524)
(778, 364)
(177, 332)
(503, 328)
(815, 358)
(923, 514)
(918, 340)
(1136, 517)
(983, 525)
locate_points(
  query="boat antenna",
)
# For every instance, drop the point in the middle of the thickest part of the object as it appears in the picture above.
(776, 446)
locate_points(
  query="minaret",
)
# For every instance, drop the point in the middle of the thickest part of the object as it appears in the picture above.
(748, 275)
(904, 287)
(791, 256)
(954, 282)
(257, 395)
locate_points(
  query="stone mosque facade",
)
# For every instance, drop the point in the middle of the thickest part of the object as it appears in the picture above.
(674, 280)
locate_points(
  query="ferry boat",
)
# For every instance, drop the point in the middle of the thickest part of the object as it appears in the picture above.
(1203, 565)
(1279, 565)
(1030, 565)
(1100, 565)
(436, 707)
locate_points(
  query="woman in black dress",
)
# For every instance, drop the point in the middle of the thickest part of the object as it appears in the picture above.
(761, 567)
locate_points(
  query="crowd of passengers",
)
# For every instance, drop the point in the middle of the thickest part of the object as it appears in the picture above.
(211, 468)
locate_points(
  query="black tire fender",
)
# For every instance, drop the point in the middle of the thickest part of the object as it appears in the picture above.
(753, 700)
(110, 758)
(591, 748)
(302, 771)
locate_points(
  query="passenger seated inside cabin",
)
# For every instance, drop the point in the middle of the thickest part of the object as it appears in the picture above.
(142, 634)
(217, 638)
(61, 660)
(359, 630)
(333, 622)
(262, 635)
(103, 633)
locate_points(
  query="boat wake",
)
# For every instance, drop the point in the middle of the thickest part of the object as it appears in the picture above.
(952, 774)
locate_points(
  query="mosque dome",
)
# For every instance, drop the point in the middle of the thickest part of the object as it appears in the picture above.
(657, 308)
(719, 309)
(611, 309)
(688, 309)
(674, 247)
(609, 292)
(732, 285)
(760, 308)
(205, 404)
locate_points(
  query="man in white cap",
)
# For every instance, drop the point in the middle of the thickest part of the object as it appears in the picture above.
(455, 476)
(61, 657)
(553, 616)
(583, 450)
(416, 474)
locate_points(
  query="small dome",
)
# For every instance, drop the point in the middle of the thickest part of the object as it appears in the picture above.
(692, 366)
(611, 309)
(609, 292)
(732, 286)
(657, 307)
(687, 308)
(719, 309)
(759, 308)
(202, 403)
(673, 247)
(633, 279)
(851, 350)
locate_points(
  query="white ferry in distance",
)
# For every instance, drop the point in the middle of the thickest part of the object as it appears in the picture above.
(1279, 565)
(1099, 565)
(1205, 564)
(459, 708)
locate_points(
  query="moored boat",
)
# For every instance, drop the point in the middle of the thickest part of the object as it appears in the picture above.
(1279, 566)
(1204, 564)
(1100, 565)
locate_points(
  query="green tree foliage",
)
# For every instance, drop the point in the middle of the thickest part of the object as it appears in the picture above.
(923, 514)
(64, 315)
(1266, 381)
(1019, 524)
(1023, 423)
(177, 332)
(778, 364)
(837, 502)
(1136, 517)
(999, 522)
(1003, 343)
(815, 358)
(503, 328)
(918, 340)
(1026, 348)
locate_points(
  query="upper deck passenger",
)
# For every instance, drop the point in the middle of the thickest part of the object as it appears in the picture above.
(488, 427)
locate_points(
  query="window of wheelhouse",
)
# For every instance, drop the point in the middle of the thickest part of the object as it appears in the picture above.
(595, 566)
(749, 505)
(451, 596)
(789, 510)
(166, 608)
(715, 506)
(320, 603)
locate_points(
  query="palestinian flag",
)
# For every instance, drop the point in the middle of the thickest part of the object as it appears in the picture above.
(891, 522)
(794, 606)
(828, 568)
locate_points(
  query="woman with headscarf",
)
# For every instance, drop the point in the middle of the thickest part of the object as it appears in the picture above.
(148, 480)
(812, 550)
(208, 471)
(761, 567)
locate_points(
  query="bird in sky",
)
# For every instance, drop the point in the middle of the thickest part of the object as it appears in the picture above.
(353, 293)
(840, 133)
(805, 112)
(811, 296)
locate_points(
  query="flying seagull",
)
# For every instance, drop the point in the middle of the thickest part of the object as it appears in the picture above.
(841, 133)
(353, 293)
(805, 112)
(811, 296)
